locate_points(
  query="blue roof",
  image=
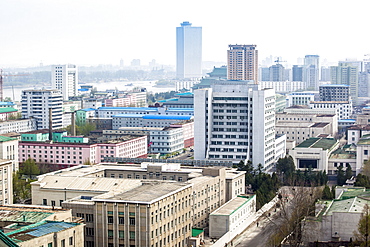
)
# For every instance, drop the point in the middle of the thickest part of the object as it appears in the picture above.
(184, 94)
(167, 100)
(128, 108)
(39, 229)
(180, 109)
(334, 85)
(88, 109)
(163, 117)
(83, 89)
(6, 103)
(347, 120)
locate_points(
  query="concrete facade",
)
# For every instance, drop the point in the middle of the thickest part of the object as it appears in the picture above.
(6, 182)
(36, 104)
(65, 79)
(235, 121)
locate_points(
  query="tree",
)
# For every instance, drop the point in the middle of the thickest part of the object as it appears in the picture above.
(296, 203)
(366, 168)
(341, 176)
(285, 168)
(362, 234)
(362, 181)
(29, 168)
(349, 172)
(8, 99)
(326, 193)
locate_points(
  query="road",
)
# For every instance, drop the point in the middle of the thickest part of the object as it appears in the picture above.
(259, 236)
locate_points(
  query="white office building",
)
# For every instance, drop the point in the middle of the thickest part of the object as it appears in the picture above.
(235, 121)
(65, 79)
(36, 104)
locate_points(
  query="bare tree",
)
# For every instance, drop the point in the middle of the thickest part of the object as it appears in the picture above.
(295, 203)
(362, 235)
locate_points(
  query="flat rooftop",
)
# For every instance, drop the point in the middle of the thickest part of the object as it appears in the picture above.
(87, 184)
(324, 143)
(148, 192)
(231, 206)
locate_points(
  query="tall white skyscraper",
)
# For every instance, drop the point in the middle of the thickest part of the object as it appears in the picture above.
(235, 121)
(36, 104)
(188, 51)
(65, 79)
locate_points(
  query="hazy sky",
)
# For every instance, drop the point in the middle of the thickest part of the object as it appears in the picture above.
(91, 32)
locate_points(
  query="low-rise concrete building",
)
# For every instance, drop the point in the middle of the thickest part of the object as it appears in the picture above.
(6, 182)
(342, 108)
(337, 219)
(355, 132)
(142, 120)
(314, 153)
(235, 214)
(20, 125)
(29, 225)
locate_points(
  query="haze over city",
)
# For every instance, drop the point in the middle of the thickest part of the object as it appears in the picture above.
(96, 32)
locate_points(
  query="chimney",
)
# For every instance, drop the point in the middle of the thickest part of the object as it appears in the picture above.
(73, 124)
(50, 125)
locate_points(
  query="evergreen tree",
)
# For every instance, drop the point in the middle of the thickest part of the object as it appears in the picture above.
(341, 176)
(326, 193)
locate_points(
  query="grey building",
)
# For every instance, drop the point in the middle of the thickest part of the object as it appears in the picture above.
(334, 92)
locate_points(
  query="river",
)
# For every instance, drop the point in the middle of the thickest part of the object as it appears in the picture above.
(101, 86)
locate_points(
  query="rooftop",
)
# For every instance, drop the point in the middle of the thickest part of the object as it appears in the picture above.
(7, 109)
(39, 229)
(6, 139)
(148, 192)
(364, 140)
(324, 143)
(232, 206)
(342, 154)
(162, 117)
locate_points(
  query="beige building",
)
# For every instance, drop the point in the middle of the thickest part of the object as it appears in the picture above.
(314, 153)
(6, 182)
(299, 127)
(9, 150)
(95, 193)
(242, 63)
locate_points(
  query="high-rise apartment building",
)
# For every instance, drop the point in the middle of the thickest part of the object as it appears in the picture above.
(276, 72)
(346, 74)
(235, 121)
(297, 73)
(311, 71)
(188, 51)
(36, 104)
(242, 63)
(65, 79)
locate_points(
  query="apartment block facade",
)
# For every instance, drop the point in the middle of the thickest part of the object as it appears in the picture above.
(242, 63)
(235, 121)
(36, 105)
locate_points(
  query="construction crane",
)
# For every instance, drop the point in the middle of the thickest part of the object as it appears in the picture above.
(1, 83)
(278, 61)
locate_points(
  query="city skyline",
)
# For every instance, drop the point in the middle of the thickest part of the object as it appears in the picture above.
(91, 33)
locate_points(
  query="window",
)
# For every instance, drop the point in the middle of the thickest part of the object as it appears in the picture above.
(121, 220)
(53, 203)
(63, 243)
(44, 201)
(121, 234)
(89, 217)
(89, 231)
(132, 221)
(110, 219)
(366, 152)
(110, 233)
(50, 244)
(70, 240)
(132, 235)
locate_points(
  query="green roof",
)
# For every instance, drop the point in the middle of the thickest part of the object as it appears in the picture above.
(324, 143)
(342, 154)
(365, 140)
(5, 138)
(196, 231)
(7, 109)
